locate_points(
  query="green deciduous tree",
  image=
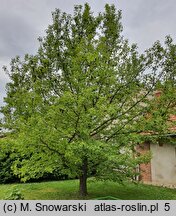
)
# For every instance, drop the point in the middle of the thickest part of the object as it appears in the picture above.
(78, 102)
(161, 120)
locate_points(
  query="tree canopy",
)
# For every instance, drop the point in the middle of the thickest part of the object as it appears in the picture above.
(80, 103)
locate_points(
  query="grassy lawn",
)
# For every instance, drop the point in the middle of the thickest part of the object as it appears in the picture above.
(65, 190)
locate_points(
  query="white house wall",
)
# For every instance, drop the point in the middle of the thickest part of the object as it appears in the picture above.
(163, 163)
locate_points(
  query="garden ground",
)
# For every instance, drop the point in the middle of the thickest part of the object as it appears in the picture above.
(68, 190)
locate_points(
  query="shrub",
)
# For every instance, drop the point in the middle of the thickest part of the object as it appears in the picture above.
(15, 194)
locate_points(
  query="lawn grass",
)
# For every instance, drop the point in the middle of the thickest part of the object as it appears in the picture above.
(68, 190)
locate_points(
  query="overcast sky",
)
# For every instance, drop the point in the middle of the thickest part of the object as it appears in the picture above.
(23, 21)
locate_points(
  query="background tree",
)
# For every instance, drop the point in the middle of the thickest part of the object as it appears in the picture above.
(7, 156)
(78, 102)
(161, 118)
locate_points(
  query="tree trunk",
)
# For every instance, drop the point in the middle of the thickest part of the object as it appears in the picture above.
(83, 179)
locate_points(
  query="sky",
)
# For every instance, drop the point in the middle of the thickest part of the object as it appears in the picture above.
(23, 21)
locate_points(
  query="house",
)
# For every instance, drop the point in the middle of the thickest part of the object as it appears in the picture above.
(162, 167)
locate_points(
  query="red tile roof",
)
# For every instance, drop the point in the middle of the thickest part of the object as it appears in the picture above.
(172, 118)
